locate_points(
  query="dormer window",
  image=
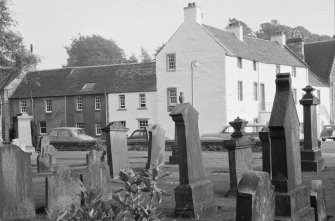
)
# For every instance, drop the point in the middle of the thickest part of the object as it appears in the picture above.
(171, 62)
(88, 86)
(239, 63)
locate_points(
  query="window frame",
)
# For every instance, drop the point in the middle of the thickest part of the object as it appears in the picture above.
(123, 122)
(122, 106)
(48, 107)
(142, 100)
(97, 103)
(294, 71)
(255, 65)
(79, 104)
(23, 106)
(171, 105)
(146, 123)
(98, 129)
(173, 62)
(240, 90)
(239, 63)
(255, 91)
(41, 127)
(80, 125)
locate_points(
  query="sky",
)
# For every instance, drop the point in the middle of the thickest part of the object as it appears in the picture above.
(50, 25)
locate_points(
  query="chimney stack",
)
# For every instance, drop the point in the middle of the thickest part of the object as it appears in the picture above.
(297, 46)
(279, 37)
(236, 29)
(192, 13)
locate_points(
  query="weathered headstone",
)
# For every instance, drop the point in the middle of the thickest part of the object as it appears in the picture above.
(318, 200)
(311, 159)
(45, 163)
(292, 198)
(24, 131)
(264, 136)
(194, 196)
(156, 148)
(16, 187)
(255, 197)
(62, 191)
(239, 154)
(117, 150)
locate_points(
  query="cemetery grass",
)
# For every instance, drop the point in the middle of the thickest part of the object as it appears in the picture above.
(217, 170)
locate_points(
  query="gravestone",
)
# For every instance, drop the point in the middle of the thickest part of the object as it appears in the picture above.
(117, 149)
(156, 148)
(292, 198)
(62, 190)
(311, 159)
(318, 200)
(239, 154)
(255, 197)
(16, 186)
(96, 174)
(264, 136)
(45, 163)
(47, 148)
(194, 196)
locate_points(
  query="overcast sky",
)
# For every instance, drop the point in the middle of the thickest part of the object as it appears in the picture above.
(51, 24)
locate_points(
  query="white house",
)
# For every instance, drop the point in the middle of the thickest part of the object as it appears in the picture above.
(223, 73)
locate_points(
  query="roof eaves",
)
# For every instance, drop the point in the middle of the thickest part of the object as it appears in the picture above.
(168, 40)
(217, 41)
(296, 56)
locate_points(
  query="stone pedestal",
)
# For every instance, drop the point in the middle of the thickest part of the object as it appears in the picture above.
(24, 129)
(117, 149)
(239, 154)
(175, 157)
(311, 159)
(194, 196)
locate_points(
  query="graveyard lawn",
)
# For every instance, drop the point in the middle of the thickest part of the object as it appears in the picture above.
(216, 166)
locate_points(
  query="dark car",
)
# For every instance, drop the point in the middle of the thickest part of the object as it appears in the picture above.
(70, 135)
(138, 135)
(328, 132)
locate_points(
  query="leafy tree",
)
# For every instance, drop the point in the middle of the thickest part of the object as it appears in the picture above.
(93, 50)
(145, 57)
(132, 59)
(247, 31)
(12, 50)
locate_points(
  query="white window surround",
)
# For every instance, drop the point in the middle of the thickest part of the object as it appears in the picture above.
(97, 103)
(122, 101)
(142, 101)
(43, 127)
(48, 105)
(23, 106)
(142, 123)
(171, 62)
(79, 103)
(98, 129)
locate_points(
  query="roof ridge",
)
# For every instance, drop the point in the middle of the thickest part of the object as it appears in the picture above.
(317, 42)
(112, 65)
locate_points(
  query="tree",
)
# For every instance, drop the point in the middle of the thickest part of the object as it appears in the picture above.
(145, 57)
(247, 31)
(132, 59)
(93, 50)
(13, 53)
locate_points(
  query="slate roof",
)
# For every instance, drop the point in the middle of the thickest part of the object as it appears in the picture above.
(120, 78)
(254, 49)
(320, 56)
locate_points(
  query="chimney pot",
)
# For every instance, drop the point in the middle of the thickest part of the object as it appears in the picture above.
(192, 13)
(236, 29)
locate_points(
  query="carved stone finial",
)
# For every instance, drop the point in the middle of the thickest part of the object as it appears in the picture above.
(238, 124)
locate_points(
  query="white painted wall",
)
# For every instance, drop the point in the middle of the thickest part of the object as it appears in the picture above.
(191, 42)
(132, 112)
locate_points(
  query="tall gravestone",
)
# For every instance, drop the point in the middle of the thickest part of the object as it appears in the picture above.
(16, 185)
(156, 145)
(264, 136)
(194, 196)
(239, 154)
(255, 197)
(292, 198)
(24, 129)
(311, 159)
(117, 149)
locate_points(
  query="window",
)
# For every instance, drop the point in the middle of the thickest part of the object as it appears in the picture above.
(23, 106)
(142, 101)
(255, 65)
(294, 92)
(88, 86)
(142, 123)
(277, 69)
(43, 127)
(97, 129)
(80, 125)
(294, 72)
(48, 105)
(123, 122)
(122, 101)
(171, 62)
(171, 98)
(239, 63)
(240, 90)
(255, 91)
(79, 103)
(97, 103)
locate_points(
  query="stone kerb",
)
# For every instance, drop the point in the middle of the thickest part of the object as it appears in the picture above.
(255, 197)
(291, 197)
(239, 154)
(16, 187)
(117, 149)
(194, 195)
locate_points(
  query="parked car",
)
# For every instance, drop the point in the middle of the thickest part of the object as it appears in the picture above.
(328, 132)
(138, 135)
(70, 135)
(251, 129)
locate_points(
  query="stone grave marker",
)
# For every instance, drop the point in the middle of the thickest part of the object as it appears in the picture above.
(62, 190)
(194, 195)
(44, 163)
(16, 187)
(264, 136)
(239, 154)
(117, 149)
(318, 200)
(292, 198)
(311, 159)
(255, 197)
(156, 148)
